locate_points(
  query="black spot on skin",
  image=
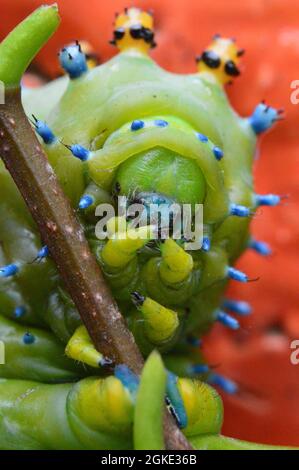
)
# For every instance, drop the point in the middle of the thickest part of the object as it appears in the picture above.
(211, 59)
(116, 190)
(140, 32)
(106, 362)
(173, 412)
(136, 31)
(231, 69)
(137, 299)
(119, 33)
(117, 187)
(148, 36)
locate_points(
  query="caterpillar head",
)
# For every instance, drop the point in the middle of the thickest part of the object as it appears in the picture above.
(221, 59)
(134, 30)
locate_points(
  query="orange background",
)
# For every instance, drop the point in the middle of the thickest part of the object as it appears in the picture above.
(258, 357)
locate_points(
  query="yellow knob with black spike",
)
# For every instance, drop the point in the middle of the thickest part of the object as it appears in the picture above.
(221, 58)
(134, 29)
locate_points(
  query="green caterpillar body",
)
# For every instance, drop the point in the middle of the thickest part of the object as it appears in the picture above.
(139, 88)
(147, 134)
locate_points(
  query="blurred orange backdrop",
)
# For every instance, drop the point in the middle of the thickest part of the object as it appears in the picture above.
(258, 357)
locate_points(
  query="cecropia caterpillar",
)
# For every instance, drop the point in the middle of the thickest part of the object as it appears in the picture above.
(130, 129)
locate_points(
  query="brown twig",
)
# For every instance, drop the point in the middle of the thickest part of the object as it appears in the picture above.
(60, 230)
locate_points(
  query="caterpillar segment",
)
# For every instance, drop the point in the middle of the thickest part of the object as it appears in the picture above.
(129, 129)
(96, 413)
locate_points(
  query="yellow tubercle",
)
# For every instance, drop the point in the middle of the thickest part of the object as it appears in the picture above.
(118, 400)
(161, 322)
(176, 264)
(187, 390)
(203, 406)
(134, 29)
(221, 58)
(105, 404)
(81, 348)
(115, 225)
(122, 248)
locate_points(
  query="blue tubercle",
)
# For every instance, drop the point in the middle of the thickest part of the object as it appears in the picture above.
(176, 400)
(79, 152)
(239, 211)
(127, 378)
(218, 153)
(19, 311)
(199, 369)
(9, 270)
(239, 307)
(43, 253)
(203, 138)
(28, 338)
(227, 320)
(261, 248)
(206, 244)
(85, 202)
(137, 125)
(263, 118)
(236, 275)
(44, 131)
(160, 123)
(267, 200)
(73, 60)
(225, 384)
